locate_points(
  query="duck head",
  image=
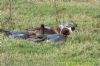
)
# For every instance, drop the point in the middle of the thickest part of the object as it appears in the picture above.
(66, 28)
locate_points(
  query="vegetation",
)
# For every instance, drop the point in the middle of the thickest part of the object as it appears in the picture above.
(82, 48)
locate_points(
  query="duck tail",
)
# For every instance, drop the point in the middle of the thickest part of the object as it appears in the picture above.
(42, 28)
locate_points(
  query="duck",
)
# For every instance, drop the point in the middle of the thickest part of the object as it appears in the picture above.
(42, 33)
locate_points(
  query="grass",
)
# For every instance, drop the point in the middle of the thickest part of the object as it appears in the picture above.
(82, 48)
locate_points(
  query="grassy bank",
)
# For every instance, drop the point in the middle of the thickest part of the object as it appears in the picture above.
(82, 48)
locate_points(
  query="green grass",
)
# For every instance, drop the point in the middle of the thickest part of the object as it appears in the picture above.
(82, 48)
